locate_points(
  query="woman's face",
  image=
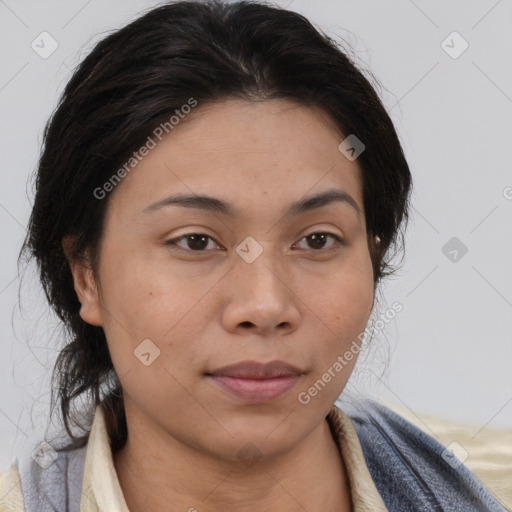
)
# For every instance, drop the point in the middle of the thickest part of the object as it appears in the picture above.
(257, 288)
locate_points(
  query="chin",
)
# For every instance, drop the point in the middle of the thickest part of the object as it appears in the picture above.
(269, 435)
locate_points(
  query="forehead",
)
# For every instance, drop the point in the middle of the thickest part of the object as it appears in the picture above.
(259, 154)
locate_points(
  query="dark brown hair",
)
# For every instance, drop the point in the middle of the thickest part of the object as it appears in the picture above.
(133, 80)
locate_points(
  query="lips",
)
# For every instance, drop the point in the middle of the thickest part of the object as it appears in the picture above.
(256, 370)
(256, 383)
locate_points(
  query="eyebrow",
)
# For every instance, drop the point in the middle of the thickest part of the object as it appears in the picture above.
(213, 204)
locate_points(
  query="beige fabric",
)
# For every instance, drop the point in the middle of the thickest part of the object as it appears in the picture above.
(101, 490)
(100, 487)
(365, 496)
(488, 450)
(11, 498)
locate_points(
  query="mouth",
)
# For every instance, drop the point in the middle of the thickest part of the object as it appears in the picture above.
(254, 382)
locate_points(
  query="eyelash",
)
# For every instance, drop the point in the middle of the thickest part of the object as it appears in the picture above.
(174, 241)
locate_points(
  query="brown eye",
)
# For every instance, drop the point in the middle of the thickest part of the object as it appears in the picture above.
(195, 242)
(317, 241)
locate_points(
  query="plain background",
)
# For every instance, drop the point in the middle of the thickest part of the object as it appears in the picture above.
(449, 351)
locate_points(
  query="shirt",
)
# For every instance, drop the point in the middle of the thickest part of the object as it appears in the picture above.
(391, 465)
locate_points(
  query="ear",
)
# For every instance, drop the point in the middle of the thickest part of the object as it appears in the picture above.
(85, 285)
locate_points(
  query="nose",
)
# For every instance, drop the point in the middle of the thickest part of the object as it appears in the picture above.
(260, 298)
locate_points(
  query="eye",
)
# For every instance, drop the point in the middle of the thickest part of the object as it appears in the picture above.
(196, 242)
(318, 240)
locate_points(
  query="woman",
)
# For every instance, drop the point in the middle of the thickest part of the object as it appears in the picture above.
(219, 195)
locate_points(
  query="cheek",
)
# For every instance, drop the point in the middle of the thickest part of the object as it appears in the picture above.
(341, 311)
(344, 300)
(148, 300)
(151, 327)
(136, 304)
(142, 296)
(340, 323)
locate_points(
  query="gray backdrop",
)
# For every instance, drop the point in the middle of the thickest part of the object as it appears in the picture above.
(447, 77)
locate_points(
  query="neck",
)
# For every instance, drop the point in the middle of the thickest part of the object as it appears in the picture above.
(310, 477)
